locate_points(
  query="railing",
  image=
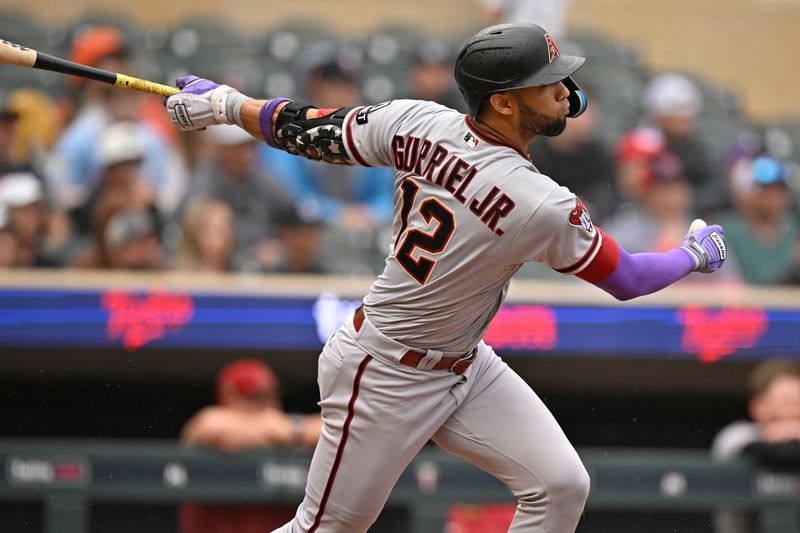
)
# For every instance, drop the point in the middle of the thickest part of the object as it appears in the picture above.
(66, 476)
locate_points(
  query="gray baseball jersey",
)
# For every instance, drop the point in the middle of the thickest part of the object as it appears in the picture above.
(460, 197)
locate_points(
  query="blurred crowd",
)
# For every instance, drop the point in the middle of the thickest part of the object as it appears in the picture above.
(95, 177)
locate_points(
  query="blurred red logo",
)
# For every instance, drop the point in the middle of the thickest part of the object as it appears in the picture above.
(523, 327)
(713, 335)
(138, 320)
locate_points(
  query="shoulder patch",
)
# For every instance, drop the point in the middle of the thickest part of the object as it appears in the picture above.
(579, 217)
(362, 117)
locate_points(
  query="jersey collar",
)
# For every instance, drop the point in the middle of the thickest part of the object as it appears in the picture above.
(490, 138)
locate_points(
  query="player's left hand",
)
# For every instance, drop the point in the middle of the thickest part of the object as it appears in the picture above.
(201, 103)
(706, 246)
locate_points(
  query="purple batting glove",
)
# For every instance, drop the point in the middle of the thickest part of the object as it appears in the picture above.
(195, 85)
(706, 247)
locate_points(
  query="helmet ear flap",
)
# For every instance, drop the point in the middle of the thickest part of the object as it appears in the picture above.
(577, 98)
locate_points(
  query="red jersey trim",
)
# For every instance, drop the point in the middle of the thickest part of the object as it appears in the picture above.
(581, 263)
(350, 144)
(342, 443)
(488, 138)
(604, 263)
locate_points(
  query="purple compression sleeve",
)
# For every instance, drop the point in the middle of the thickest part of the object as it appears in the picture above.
(640, 274)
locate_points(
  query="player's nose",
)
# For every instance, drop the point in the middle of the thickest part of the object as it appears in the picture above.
(562, 92)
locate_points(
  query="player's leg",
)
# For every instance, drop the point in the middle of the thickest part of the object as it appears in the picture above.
(505, 429)
(375, 419)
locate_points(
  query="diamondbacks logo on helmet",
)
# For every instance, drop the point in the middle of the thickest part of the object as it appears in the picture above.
(552, 49)
(579, 217)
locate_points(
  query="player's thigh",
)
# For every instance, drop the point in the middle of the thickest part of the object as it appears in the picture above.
(375, 419)
(503, 427)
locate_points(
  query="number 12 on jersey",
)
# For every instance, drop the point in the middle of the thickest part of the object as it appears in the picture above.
(432, 243)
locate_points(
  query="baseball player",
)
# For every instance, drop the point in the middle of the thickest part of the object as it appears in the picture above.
(469, 209)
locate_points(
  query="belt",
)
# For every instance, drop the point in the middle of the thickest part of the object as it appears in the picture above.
(457, 365)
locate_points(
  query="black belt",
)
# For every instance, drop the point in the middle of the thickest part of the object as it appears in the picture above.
(457, 365)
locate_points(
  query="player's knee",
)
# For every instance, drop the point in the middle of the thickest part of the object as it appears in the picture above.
(566, 487)
(572, 488)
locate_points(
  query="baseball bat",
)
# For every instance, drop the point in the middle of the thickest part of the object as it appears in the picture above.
(14, 54)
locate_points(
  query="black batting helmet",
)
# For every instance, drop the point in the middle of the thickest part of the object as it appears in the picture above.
(513, 56)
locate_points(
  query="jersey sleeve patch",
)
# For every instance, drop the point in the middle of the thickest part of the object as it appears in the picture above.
(580, 217)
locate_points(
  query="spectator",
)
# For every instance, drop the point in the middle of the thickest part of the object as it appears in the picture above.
(36, 129)
(772, 436)
(301, 237)
(582, 163)
(672, 103)
(431, 76)
(234, 177)
(550, 14)
(660, 213)
(248, 415)
(8, 124)
(133, 242)
(8, 244)
(73, 171)
(762, 232)
(120, 153)
(207, 237)
(39, 232)
(352, 198)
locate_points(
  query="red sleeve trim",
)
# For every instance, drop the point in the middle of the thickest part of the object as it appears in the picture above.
(578, 265)
(350, 144)
(604, 263)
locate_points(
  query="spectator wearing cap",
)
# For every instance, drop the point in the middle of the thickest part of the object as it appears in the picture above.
(431, 76)
(132, 241)
(38, 231)
(8, 122)
(301, 237)
(354, 202)
(248, 415)
(762, 232)
(120, 154)
(672, 104)
(659, 213)
(73, 171)
(30, 124)
(232, 175)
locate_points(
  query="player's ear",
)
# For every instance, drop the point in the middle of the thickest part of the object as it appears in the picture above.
(501, 103)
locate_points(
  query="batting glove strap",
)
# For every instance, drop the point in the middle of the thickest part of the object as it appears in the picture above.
(696, 252)
(707, 248)
(226, 103)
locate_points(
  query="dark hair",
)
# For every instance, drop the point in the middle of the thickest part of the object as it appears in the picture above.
(764, 374)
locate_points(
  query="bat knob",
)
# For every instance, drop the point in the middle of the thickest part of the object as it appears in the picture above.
(697, 224)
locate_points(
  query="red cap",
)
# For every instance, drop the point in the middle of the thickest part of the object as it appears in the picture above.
(640, 143)
(94, 45)
(247, 377)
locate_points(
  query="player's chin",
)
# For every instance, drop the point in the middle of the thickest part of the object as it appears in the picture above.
(554, 128)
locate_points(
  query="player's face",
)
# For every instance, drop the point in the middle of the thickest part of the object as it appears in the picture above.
(543, 110)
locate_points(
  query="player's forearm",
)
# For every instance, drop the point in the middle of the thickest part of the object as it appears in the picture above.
(646, 273)
(259, 117)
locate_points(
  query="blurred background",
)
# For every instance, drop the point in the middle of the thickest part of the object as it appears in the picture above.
(136, 262)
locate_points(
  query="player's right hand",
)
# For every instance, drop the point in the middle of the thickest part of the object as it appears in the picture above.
(201, 103)
(706, 246)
